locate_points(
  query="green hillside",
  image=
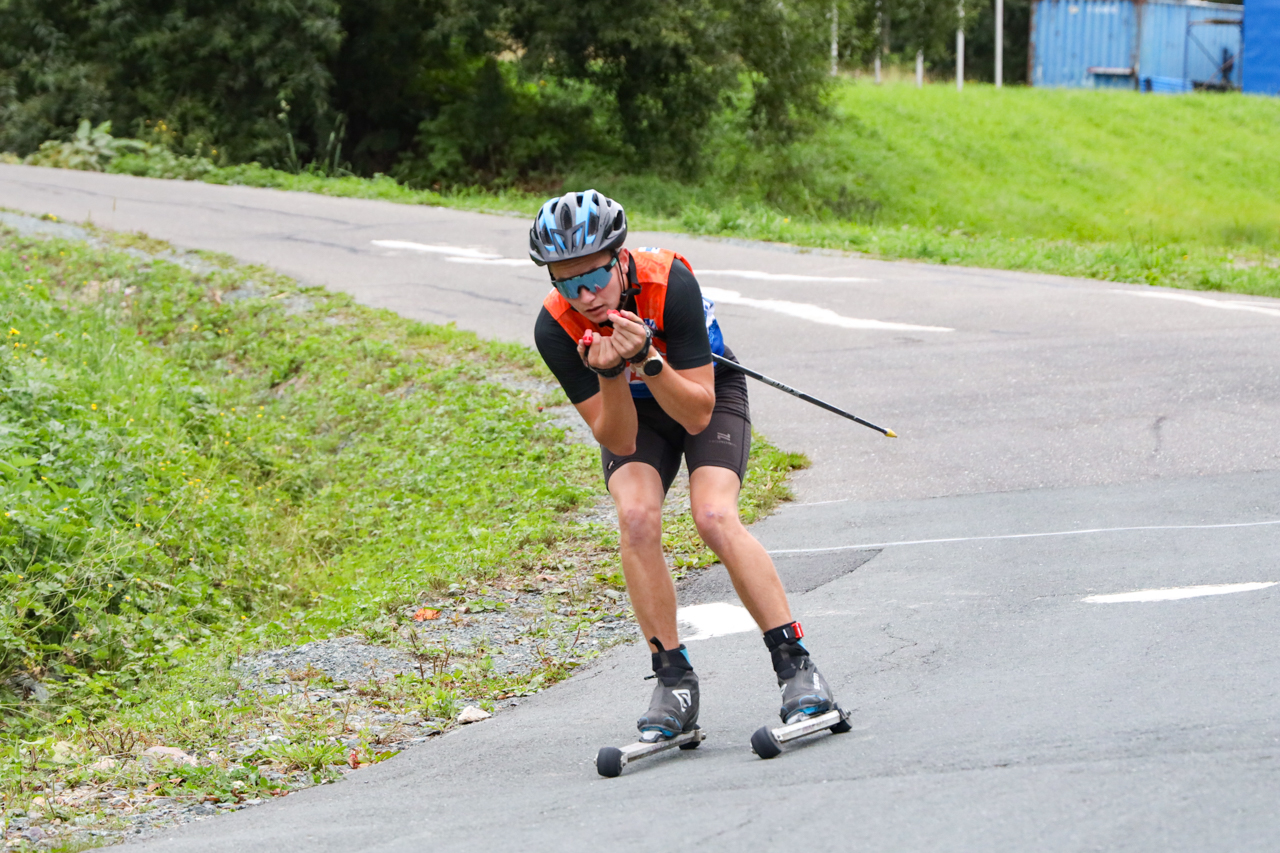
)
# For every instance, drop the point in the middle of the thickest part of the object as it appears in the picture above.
(1082, 165)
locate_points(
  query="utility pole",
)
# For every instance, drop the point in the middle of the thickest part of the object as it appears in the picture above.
(960, 49)
(999, 43)
(919, 69)
(835, 35)
(879, 39)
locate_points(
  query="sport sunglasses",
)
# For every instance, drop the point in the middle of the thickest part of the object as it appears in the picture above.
(592, 281)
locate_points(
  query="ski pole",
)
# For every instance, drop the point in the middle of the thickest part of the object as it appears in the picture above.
(803, 396)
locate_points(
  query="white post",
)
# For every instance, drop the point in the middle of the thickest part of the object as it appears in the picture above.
(960, 52)
(879, 39)
(919, 69)
(999, 43)
(835, 34)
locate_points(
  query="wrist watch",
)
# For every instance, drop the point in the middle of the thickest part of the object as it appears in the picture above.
(652, 365)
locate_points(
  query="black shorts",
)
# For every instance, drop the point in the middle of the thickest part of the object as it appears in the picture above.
(661, 440)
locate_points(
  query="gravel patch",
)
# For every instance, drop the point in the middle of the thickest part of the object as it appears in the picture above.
(344, 659)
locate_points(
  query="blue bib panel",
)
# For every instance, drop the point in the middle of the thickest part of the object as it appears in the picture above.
(640, 391)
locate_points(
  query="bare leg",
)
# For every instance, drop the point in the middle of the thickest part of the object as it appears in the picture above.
(713, 496)
(637, 493)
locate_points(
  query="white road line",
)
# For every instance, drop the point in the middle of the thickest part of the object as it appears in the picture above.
(497, 262)
(1175, 593)
(1224, 304)
(704, 621)
(869, 545)
(812, 313)
(454, 251)
(778, 276)
(800, 310)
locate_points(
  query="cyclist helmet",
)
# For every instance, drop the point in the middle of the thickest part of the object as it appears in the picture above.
(576, 225)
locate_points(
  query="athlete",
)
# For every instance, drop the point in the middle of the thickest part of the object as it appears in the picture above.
(629, 336)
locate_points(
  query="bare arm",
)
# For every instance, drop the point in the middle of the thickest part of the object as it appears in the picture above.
(687, 395)
(611, 414)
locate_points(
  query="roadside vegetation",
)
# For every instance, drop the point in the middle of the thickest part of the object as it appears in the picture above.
(201, 460)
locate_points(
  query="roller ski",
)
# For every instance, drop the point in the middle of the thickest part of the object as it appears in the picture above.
(807, 704)
(672, 718)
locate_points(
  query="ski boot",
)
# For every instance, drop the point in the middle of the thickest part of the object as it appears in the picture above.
(673, 708)
(807, 703)
(672, 718)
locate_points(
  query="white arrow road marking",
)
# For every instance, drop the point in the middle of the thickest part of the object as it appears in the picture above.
(1176, 593)
(1224, 304)
(778, 276)
(869, 545)
(704, 621)
(812, 313)
(454, 251)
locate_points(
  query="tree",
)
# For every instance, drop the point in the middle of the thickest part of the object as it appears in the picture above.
(668, 66)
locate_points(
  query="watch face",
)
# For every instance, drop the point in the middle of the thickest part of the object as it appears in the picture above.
(653, 367)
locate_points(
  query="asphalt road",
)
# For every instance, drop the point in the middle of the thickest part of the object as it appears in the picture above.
(1064, 439)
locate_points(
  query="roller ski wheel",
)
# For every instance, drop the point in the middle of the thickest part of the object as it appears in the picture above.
(767, 741)
(610, 760)
(765, 744)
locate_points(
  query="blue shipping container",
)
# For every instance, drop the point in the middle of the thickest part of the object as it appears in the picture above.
(1154, 46)
(1262, 47)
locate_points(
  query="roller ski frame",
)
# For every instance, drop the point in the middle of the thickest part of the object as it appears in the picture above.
(768, 740)
(611, 759)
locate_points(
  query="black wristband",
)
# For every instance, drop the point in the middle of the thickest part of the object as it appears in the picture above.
(609, 372)
(640, 357)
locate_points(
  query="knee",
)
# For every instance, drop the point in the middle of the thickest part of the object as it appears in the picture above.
(717, 523)
(640, 523)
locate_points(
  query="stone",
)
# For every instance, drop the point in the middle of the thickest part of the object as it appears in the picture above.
(171, 754)
(472, 714)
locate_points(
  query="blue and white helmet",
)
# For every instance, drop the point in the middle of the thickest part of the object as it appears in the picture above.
(576, 225)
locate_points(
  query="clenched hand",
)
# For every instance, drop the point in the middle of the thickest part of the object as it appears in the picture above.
(604, 352)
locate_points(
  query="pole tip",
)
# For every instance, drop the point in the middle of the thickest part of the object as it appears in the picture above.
(890, 433)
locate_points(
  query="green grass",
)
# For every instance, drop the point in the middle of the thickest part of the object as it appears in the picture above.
(176, 462)
(1067, 164)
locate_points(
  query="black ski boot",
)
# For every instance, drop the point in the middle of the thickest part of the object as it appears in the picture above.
(673, 708)
(805, 693)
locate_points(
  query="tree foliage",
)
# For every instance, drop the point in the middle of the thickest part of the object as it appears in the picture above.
(433, 90)
(243, 75)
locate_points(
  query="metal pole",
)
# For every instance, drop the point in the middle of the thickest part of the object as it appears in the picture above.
(719, 359)
(879, 39)
(835, 34)
(919, 69)
(999, 43)
(960, 50)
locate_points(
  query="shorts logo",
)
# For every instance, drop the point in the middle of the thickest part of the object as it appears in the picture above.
(723, 436)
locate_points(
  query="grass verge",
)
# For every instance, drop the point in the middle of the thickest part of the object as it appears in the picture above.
(1137, 254)
(202, 460)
